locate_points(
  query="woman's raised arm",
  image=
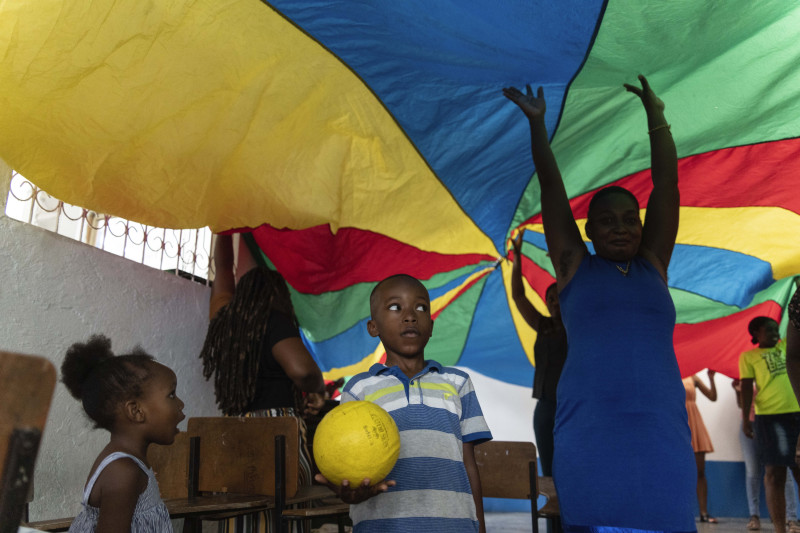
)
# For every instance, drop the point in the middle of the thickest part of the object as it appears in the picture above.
(709, 391)
(564, 242)
(661, 221)
(524, 306)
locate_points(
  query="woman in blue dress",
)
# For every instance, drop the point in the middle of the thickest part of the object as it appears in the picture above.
(623, 456)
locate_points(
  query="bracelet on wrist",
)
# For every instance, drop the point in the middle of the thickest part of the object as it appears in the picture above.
(661, 127)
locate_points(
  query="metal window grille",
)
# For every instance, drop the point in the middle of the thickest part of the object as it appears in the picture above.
(186, 252)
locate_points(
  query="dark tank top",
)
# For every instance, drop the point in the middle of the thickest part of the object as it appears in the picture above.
(274, 388)
(549, 354)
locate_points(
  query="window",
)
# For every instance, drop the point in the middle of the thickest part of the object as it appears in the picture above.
(185, 252)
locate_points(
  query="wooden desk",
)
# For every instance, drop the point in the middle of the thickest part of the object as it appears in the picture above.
(57, 524)
(218, 505)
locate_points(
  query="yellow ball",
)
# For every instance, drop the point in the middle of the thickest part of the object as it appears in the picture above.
(356, 440)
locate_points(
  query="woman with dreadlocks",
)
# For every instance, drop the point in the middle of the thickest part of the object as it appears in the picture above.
(253, 348)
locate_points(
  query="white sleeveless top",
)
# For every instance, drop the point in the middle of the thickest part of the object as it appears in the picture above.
(149, 516)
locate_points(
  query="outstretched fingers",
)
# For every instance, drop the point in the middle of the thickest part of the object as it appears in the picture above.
(636, 90)
(646, 94)
(512, 93)
(633, 89)
(532, 106)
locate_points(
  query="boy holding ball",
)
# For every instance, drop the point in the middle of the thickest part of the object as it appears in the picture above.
(435, 485)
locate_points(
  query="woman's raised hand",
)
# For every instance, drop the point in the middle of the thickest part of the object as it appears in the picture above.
(649, 98)
(516, 242)
(532, 106)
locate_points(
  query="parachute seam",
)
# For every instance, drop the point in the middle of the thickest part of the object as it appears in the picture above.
(578, 70)
(383, 105)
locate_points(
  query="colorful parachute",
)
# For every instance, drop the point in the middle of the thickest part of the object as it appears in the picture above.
(362, 139)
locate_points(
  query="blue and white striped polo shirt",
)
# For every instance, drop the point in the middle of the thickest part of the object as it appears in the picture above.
(436, 411)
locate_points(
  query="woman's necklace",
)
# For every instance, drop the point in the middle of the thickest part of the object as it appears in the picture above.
(625, 270)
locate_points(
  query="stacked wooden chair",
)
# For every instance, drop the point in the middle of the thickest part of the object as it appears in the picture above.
(26, 389)
(500, 464)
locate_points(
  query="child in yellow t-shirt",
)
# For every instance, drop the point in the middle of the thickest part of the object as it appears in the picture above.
(777, 420)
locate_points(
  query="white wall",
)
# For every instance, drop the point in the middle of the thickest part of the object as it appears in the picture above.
(57, 291)
(723, 420)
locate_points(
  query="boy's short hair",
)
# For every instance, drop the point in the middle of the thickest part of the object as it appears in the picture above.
(374, 292)
(756, 324)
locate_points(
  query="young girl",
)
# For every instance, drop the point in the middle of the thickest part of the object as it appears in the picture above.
(133, 398)
(701, 440)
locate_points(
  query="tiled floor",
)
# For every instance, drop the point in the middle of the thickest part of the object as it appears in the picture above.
(521, 523)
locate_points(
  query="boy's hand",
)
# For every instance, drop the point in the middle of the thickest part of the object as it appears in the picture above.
(649, 98)
(797, 452)
(747, 428)
(358, 494)
(532, 106)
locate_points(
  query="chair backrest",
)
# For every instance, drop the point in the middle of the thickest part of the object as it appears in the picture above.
(26, 389)
(171, 466)
(237, 454)
(504, 467)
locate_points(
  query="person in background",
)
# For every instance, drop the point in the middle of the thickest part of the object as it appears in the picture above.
(254, 351)
(701, 441)
(754, 473)
(777, 413)
(793, 351)
(549, 355)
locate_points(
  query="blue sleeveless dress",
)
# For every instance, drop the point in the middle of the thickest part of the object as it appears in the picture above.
(623, 455)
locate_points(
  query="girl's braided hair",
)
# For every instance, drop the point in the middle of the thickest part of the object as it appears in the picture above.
(234, 340)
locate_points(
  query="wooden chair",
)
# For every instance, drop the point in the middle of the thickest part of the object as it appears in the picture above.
(334, 507)
(501, 464)
(26, 389)
(231, 472)
(237, 452)
(177, 470)
(253, 456)
(171, 465)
